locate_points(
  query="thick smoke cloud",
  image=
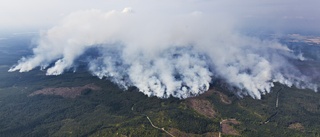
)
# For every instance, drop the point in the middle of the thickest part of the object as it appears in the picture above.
(165, 54)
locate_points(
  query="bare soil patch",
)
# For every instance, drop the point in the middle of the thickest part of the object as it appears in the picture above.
(202, 106)
(227, 127)
(296, 126)
(66, 92)
(223, 98)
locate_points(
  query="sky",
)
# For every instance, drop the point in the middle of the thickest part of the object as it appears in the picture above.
(274, 15)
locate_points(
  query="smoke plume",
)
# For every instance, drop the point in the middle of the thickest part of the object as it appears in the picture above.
(165, 54)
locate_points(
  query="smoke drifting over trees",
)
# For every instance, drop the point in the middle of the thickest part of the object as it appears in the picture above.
(165, 54)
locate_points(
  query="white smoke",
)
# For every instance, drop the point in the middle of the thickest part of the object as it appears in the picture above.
(165, 54)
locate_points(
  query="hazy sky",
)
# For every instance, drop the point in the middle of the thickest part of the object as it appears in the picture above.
(256, 14)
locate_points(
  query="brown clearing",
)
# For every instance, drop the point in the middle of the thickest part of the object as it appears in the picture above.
(205, 107)
(66, 92)
(296, 126)
(223, 98)
(226, 127)
(202, 106)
